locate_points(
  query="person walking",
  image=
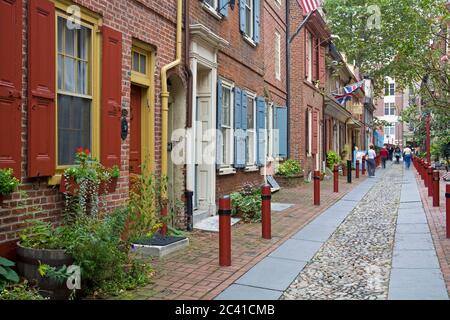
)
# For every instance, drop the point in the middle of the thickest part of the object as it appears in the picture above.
(391, 152)
(384, 154)
(397, 154)
(371, 154)
(407, 153)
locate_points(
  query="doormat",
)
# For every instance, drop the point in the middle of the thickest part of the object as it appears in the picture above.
(212, 224)
(275, 206)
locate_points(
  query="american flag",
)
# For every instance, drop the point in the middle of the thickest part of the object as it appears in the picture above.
(309, 5)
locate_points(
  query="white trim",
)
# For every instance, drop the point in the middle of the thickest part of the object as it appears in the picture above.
(250, 165)
(226, 171)
(277, 55)
(249, 40)
(230, 86)
(211, 10)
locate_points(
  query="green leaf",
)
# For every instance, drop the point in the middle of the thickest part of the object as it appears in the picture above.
(9, 274)
(6, 263)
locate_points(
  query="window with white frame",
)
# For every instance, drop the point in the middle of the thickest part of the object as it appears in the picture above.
(389, 131)
(227, 124)
(277, 56)
(389, 90)
(308, 131)
(269, 130)
(309, 56)
(389, 109)
(249, 18)
(251, 141)
(212, 3)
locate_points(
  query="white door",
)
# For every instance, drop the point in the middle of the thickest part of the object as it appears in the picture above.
(203, 172)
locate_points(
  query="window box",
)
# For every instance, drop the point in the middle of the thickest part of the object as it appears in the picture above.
(71, 187)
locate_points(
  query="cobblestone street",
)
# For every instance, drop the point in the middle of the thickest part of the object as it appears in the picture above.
(355, 262)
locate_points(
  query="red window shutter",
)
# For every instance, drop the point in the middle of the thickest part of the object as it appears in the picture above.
(315, 130)
(11, 85)
(314, 59)
(322, 67)
(111, 97)
(41, 92)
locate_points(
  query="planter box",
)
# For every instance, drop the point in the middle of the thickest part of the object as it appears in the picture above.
(290, 182)
(27, 265)
(73, 187)
(159, 246)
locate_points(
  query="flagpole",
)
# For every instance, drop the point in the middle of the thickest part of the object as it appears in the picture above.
(302, 25)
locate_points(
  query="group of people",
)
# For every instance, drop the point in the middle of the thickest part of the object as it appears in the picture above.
(388, 153)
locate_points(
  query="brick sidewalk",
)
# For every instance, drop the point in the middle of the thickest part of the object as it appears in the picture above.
(194, 273)
(436, 221)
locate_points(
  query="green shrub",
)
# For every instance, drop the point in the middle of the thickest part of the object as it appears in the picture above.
(247, 204)
(41, 235)
(20, 292)
(289, 168)
(8, 183)
(332, 159)
(7, 274)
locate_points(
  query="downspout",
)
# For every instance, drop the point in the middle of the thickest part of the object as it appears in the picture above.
(288, 77)
(165, 110)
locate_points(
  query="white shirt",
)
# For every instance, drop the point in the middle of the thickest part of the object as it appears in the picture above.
(372, 154)
(407, 151)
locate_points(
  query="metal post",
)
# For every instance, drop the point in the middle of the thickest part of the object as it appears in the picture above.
(189, 210)
(447, 208)
(427, 125)
(336, 178)
(349, 171)
(425, 174)
(436, 179)
(430, 180)
(225, 231)
(266, 195)
(317, 188)
(357, 169)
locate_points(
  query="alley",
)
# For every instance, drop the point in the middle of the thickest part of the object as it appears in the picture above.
(373, 244)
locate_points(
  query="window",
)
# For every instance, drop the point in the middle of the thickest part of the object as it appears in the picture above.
(227, 126)
(74, 100)
(308, 131)
(249, 18)
(277, 56)
(250, 145)
(139, 62)
(212, 3)
(309, 55)
(389, 89)
(269, 131)
(389, 109)
(389, 131)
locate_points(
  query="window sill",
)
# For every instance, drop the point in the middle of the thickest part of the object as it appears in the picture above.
(55, 180)
(249, 40)
(252, 168)
(211, 11)
(226, 171)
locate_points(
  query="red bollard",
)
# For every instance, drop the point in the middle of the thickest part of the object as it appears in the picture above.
(364, 166)
(266, 195)
(357, 169)
(225, 231)
(436, 179)
(425, 174)
(430, 180)
(447, 208)
(336, 178)
(422, 171)
(164, 216)
(421, 168)
(317, 188)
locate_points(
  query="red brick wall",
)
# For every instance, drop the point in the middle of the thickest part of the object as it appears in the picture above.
(152, 22)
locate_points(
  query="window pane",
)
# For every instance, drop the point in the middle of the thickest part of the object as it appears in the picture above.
(248, 22)
(70, 41)
(69, 74)
(226, 106)
(84, 38)
(143, 62)
(61, 22)
(82, 78)
(250, 115)
(74, 127)
(60, 72)
(136, 61)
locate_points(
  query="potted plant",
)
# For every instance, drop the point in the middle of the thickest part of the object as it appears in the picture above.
(332, 159)
(41, 244)
(290, 174)
(114, 177)
(247, 204)
(8, 183)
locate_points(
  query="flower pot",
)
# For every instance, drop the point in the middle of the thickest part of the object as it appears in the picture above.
(68, 186)
(27, 265)
(290, 181)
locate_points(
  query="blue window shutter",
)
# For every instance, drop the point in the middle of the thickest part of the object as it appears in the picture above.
(244, 110)
(219, 138)
(239, 134)
(223, 6)
(256, 22)
(261, 132)
(275, 135)
(242, 15)
(282, 127)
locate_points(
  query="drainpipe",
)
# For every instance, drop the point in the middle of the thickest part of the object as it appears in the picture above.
(165, 92)
(187, 66)
(288, 77)
(165, 110)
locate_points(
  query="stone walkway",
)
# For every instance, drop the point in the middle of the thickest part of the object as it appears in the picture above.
(354, 250)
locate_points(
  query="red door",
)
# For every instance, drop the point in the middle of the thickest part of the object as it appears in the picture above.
(135, 130)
